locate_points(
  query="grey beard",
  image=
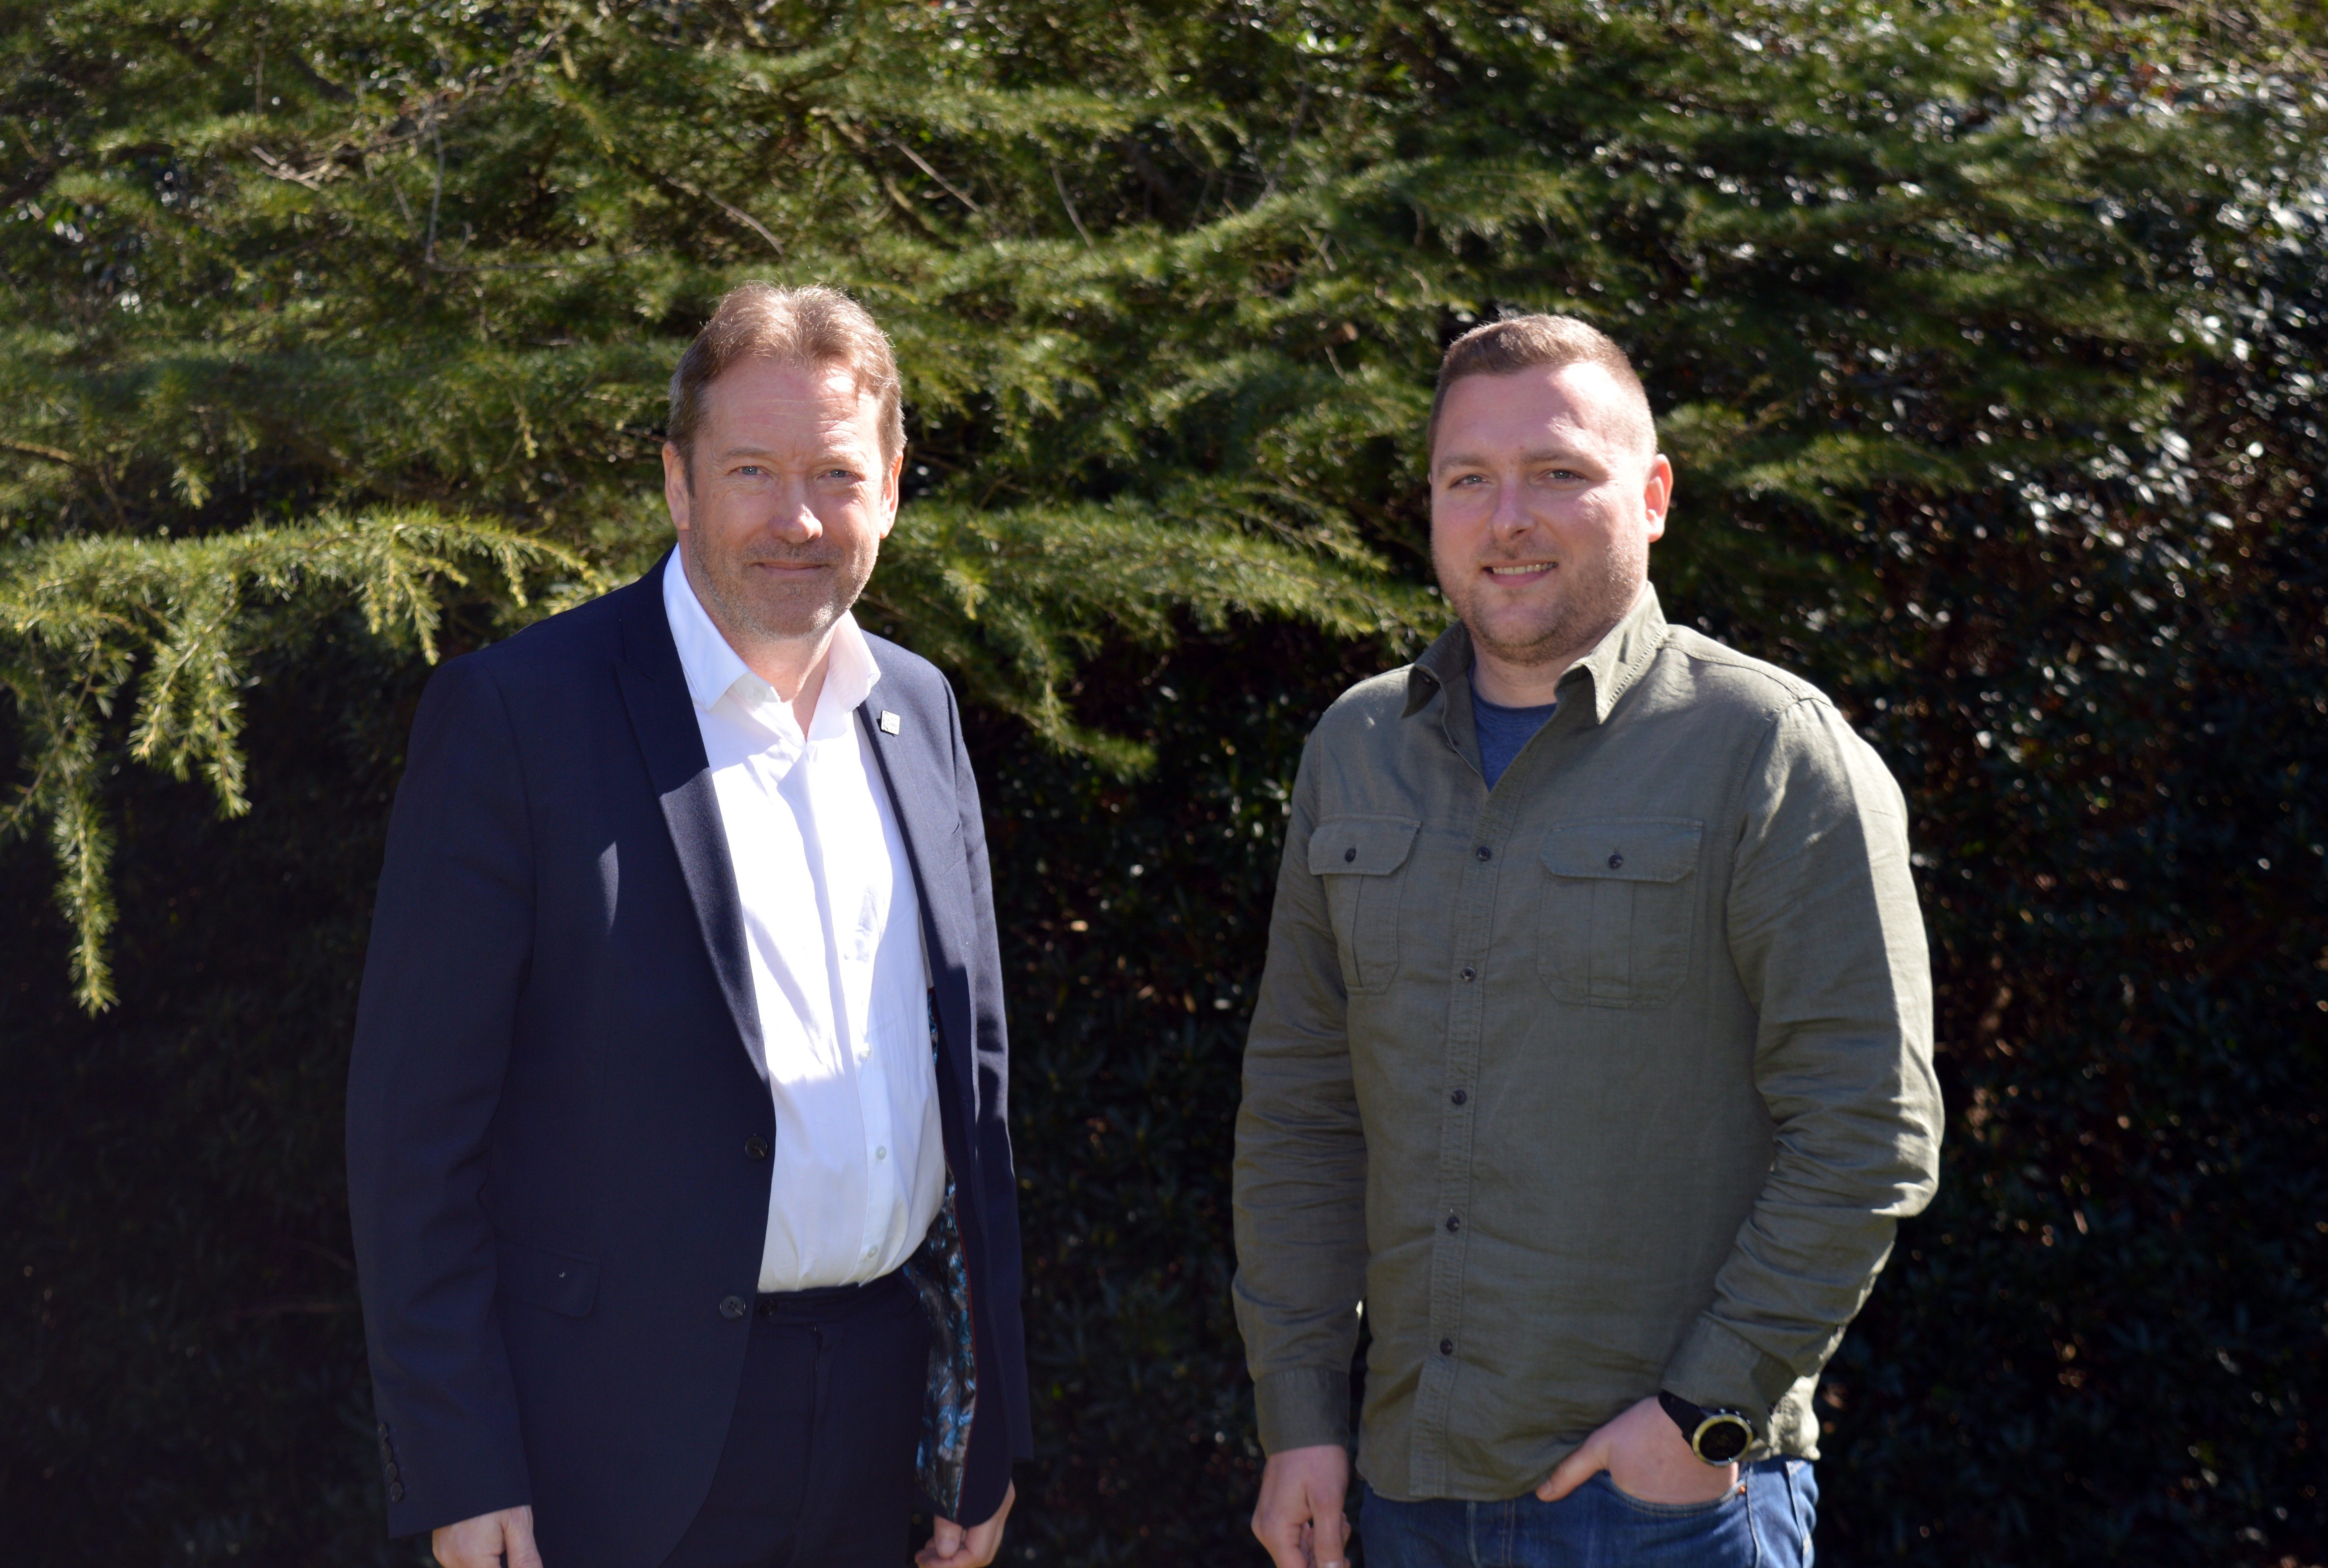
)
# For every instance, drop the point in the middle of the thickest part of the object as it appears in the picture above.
(738, 610)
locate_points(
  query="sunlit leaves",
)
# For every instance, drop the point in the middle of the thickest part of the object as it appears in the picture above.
(78, 617)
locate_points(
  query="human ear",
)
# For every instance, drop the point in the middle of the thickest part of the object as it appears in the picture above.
(677, 490)
(890, 491)
(1656, 495)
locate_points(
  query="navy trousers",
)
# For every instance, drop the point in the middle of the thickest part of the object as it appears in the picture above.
(818, 1471)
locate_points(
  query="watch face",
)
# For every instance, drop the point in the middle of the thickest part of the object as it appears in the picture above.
(1722, 1439)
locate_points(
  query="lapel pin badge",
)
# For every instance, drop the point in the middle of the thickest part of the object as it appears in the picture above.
(890, 722)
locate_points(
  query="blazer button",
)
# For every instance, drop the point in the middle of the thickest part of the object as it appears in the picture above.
(755, 1147)
(396, 1491)
(732, 1308)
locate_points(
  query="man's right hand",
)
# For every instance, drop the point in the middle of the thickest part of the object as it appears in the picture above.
(1299, 1517)
(482, 1542)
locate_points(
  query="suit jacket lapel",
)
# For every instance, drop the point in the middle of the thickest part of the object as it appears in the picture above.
(662, 716)
(925, 807)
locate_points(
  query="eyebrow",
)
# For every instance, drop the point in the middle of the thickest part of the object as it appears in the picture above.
(830, 455)
(1541, 454)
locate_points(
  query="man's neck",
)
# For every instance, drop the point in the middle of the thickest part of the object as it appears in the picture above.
(1509, 683)
(794, 666)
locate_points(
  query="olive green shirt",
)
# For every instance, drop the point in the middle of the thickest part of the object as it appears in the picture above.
(1615, 1077)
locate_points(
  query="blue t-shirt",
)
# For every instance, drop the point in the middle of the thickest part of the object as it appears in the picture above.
(1503, 731)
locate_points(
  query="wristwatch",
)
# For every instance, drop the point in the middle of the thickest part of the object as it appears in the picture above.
(1716, 1436)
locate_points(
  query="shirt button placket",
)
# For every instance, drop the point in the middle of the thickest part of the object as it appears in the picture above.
(1474, 935)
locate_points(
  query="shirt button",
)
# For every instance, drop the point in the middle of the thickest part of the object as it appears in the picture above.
(1459, 1096)
(1447, 1347)
(1454, 1222)
(755, 1147)
(732, 1308)
(1484, 852)
(882, 1153)
(1350, 854)
(1470, 973)
(1616, 862)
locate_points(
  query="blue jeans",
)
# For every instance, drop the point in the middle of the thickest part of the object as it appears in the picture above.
(1598, 1526)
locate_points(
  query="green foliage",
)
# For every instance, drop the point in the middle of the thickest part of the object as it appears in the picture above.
(1988, 343)
(81, 615)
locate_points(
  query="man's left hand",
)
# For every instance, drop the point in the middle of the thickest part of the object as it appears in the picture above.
(1645, 1457)
(952, 1546)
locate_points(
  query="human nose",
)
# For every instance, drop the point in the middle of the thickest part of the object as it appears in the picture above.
(1511, 516)
(794, 518)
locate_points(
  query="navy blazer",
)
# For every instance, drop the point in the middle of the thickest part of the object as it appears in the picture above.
(557, 1089)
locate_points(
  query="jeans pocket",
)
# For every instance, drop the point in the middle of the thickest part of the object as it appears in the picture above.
(1648, 1509)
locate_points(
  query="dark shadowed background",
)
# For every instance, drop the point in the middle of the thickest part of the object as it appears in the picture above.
(1988, 343)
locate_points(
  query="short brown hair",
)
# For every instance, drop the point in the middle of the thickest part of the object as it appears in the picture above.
(809, 327)
(1523, 342)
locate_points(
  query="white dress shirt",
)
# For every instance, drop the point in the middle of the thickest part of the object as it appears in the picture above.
(839, 976)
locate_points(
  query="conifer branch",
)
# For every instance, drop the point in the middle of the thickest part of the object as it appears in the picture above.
(77, 617)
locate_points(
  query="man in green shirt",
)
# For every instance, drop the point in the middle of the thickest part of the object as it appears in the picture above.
(1592, 1062)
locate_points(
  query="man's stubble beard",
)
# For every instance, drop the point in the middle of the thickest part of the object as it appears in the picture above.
(1581, 615)
(725, 581)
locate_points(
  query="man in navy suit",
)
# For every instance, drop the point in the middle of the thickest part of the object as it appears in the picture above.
(683, 1201)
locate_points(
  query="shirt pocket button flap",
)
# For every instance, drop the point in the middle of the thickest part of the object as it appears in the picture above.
(1357, 858)
(1617, 910)
(1626, 848)
(557, 1283)
(1361, 846)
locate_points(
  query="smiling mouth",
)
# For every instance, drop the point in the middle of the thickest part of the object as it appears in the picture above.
(1520, 568)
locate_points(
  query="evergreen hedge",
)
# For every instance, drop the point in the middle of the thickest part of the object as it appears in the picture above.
(1988, 340)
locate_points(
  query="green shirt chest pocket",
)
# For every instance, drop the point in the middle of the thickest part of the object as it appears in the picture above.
(1358, 860)
(1619, 908)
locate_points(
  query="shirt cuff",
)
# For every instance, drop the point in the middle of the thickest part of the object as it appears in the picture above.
(1715, 1369)
(1302, 1407)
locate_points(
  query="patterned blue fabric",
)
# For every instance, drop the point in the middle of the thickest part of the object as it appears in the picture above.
(939, 1272)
